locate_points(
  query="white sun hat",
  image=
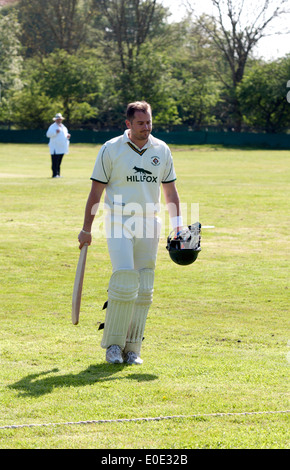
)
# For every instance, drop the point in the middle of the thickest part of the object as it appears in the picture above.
(57, 116)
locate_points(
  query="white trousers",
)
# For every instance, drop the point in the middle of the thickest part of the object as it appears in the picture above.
(133, 248)
(132, 241)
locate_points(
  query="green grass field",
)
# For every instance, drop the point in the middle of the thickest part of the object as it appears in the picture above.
(216, 351)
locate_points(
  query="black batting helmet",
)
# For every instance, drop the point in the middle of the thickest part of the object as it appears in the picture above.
(184, 246)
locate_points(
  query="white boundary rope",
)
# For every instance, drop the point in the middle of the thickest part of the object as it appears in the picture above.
(133, 420)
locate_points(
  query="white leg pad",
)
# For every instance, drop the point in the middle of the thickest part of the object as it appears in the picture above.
(122, 294)
(142, 305)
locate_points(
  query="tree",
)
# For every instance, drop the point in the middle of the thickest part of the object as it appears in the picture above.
(127, 25)
(73, 79)
(151, 80)
(234, 31)
(72, 84)
(197, 89)
(262, 95)
(31, 108)
(10, 63)
(132, 34)
(47, 26)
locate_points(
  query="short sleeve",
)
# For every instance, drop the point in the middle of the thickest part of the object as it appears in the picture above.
(102, 168)
(169, 174)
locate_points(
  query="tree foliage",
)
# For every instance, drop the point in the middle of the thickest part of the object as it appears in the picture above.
(54, 25)
(127, 26)
(234, 31)
(89, 58)
(73, 83)
(262, 94)
(10, 63)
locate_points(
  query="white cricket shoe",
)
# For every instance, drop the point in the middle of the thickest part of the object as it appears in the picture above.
(114, 354)
(132, 358)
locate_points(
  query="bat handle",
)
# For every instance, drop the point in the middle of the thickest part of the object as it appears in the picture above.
(84, 245)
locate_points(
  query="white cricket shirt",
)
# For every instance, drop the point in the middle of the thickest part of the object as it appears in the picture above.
(133, 176)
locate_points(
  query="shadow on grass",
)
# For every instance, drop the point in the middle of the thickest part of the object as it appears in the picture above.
(35, 385)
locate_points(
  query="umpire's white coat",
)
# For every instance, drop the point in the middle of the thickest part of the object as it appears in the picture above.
(58, 142)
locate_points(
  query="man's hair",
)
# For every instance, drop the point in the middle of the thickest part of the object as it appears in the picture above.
(137, 106)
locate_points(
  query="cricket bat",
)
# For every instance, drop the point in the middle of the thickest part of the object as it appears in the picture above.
(78, 285)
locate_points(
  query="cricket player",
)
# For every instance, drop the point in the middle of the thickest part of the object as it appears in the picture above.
(131, 169)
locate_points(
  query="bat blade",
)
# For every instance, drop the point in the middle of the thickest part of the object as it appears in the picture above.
(78, 285)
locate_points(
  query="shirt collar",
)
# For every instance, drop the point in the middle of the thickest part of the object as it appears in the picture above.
(149, 143)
